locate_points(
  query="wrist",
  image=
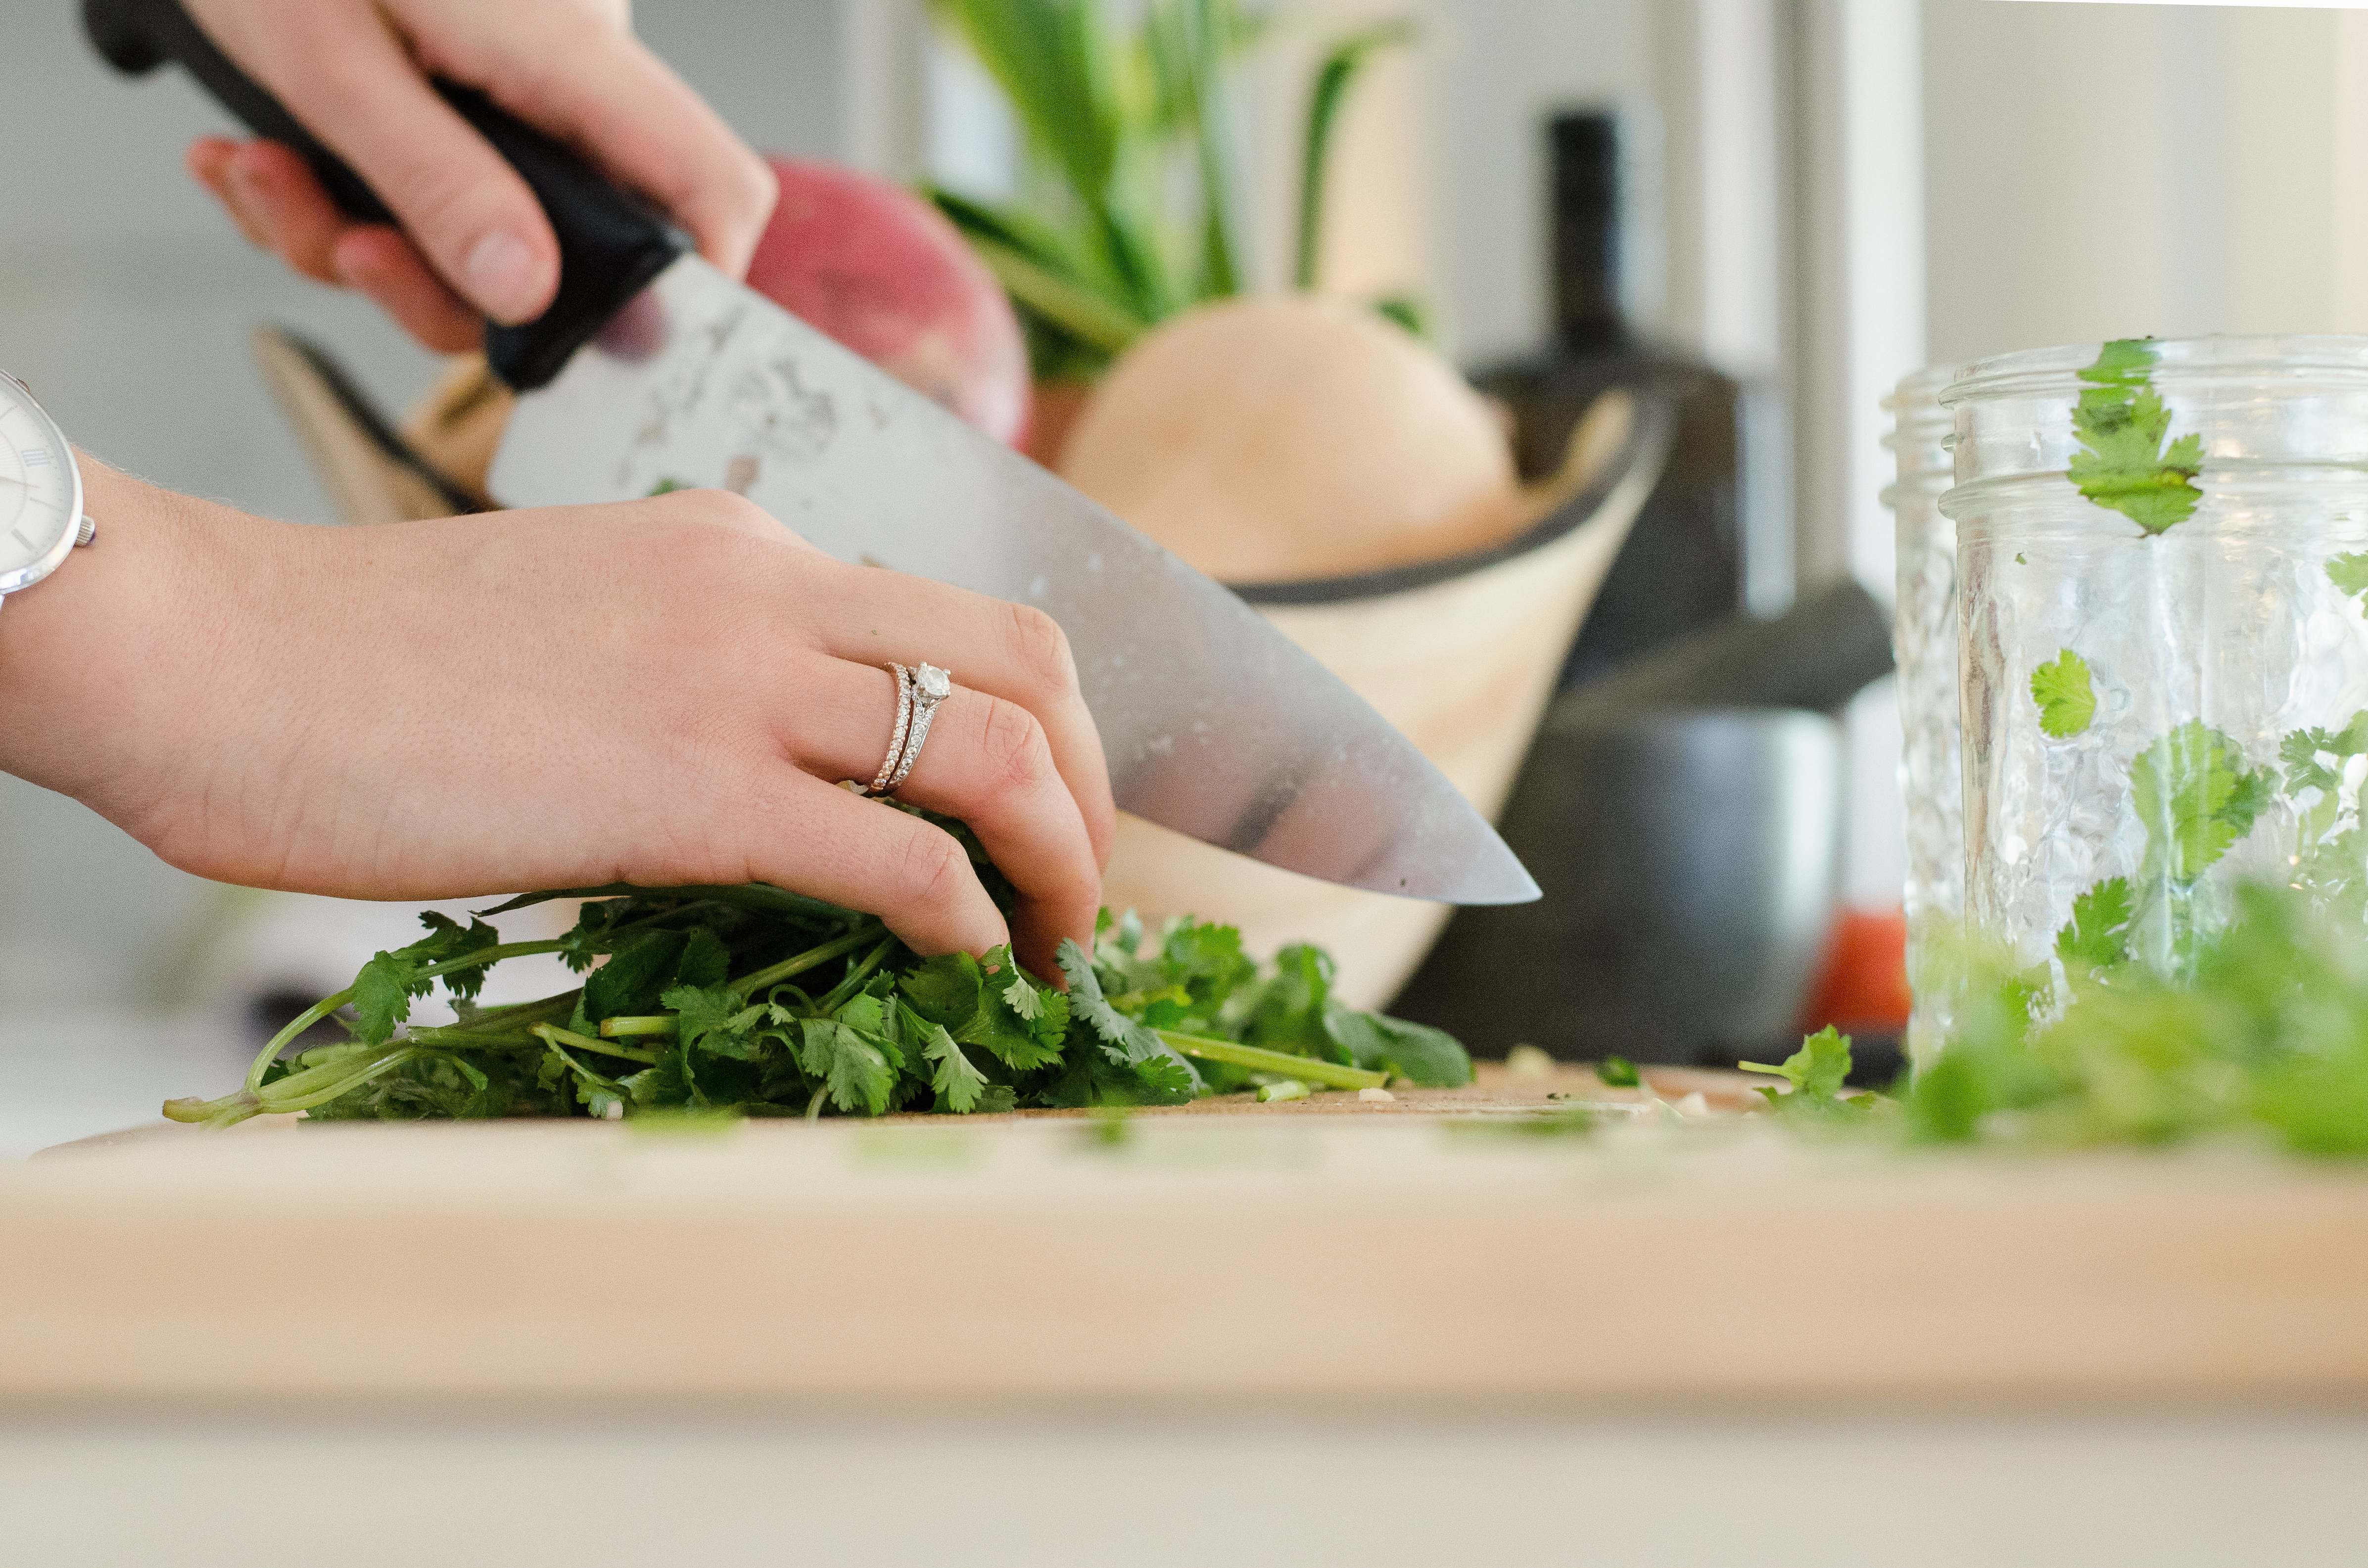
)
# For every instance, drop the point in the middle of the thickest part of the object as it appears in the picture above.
(97, 661)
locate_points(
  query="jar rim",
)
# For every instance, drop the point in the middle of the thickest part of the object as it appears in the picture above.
(1923, 387)
(2302, 356)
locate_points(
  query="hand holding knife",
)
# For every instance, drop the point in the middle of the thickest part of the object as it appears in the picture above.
(654, 369)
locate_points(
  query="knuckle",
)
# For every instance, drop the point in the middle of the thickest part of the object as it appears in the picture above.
(1041, 649)
(1012, 743)
(930, 866)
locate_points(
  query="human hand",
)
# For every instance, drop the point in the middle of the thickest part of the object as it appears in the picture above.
(473, 241)
(659, 692)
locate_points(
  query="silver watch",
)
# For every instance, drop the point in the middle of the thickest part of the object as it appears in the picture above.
(41, 517)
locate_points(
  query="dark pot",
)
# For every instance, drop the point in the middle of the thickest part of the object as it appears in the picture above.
(1690, 866)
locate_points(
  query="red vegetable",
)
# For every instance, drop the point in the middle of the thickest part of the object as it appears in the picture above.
(884, 272)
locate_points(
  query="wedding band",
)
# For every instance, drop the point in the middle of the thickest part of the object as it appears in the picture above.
(929, 685)
(881, 783)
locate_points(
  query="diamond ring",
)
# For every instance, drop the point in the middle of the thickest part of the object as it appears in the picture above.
(918, 692)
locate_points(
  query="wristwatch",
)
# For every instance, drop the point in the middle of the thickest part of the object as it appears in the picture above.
(41, 518)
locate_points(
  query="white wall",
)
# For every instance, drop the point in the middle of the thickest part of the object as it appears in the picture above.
(2113, 170)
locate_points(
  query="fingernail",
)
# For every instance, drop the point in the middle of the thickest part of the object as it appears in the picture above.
(502, 277)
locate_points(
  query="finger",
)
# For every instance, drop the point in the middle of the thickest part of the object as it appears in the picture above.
(825, 842)
(209, 165)
(279, 188)
(1013, 652)
(601, 89)
(383, 265)
(987, 762)
(357, 88)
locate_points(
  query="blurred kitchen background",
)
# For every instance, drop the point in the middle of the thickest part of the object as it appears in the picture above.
(1807, 198)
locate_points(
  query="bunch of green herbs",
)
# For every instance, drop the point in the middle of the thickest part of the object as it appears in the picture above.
(753, 1001)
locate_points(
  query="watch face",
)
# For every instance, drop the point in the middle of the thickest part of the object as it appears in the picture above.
(40, 497)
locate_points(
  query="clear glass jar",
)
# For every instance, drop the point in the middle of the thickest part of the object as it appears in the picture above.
(1924, 643)
(2162, 558)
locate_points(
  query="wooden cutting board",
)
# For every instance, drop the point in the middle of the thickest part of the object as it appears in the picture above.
(1411, 1250)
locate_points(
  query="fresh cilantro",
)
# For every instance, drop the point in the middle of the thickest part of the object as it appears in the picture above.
(2098, 935)
(2121, 423)
(2196, 797)
(388, 985)
(668, 486)
(2302, 750)
(1816, 1071)
(2066, 697)
(1126, 1042)
(959, 1084)
(727, 1001)
(852, 1067)
(2349, 573)
(1618, 1072)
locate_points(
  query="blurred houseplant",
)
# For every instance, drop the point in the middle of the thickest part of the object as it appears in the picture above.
(1131, 208)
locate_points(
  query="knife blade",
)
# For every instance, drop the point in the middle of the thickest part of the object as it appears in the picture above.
(654, 369)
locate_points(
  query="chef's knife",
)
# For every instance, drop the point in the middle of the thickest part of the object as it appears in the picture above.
(654, 370)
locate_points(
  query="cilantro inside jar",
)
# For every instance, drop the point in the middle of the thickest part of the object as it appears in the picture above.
(2162, 553)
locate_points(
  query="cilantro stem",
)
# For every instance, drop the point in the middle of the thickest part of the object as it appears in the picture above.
(326, 1006)
(485, 956)
(853, 977)
(1257, 1059)
(651, 1024)
(280, 1042)
(813, 957)
(551, 1034)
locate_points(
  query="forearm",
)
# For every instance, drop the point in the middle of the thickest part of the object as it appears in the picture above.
(95, 659)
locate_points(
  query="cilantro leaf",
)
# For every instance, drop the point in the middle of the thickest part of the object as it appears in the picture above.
(2301, 751)
(959, 993)
(2196, 796)
(1416, 1052)
(1816, 1071)
(852, 1066)
(2066, 697)
(2349, 573)
(1124, 1040)
(386, 987)
(1619, 1072)
(2098, 934)
(717, 1020)
(958, 1082)
(2120, 424)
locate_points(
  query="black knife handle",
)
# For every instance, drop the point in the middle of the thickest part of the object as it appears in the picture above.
(611, 244)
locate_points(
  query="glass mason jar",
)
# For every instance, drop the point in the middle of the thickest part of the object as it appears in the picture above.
(1924, 644)
(2162, 558)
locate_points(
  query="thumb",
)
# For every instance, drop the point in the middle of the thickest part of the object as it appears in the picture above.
(469, 212)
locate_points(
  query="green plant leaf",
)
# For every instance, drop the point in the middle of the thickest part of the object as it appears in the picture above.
(1816, 1071)
(2197, 797)
(2120, 424)
(2349, 573)
(1333, 77)
(2066, 697)
(2098, 934)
